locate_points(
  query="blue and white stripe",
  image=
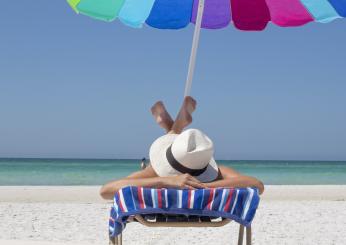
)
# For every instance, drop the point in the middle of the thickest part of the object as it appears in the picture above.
(235, 201)
(248, 202)
(223, 198)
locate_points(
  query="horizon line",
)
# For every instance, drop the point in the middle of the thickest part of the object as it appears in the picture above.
(139, 159)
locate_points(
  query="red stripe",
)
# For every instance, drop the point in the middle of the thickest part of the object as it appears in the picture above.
(140, 199)
(159, 198)
(189, 199)
(228, 202)
(210, 198)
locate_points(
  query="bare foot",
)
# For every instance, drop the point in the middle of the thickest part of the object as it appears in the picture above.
(184, 117)
(161, 116)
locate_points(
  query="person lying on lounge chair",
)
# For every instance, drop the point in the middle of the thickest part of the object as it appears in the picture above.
(181, 159)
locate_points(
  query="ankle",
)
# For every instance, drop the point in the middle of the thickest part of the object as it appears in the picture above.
(175, 129)
(172, 132)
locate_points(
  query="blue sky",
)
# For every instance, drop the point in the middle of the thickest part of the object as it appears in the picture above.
(74, 87)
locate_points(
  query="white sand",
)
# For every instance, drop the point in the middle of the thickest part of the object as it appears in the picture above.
(76, 215)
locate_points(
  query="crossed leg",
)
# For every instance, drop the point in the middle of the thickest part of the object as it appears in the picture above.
(161, 116)
(183, 119)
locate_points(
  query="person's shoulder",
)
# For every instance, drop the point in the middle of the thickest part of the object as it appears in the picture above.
(148, 172)
(227, 172)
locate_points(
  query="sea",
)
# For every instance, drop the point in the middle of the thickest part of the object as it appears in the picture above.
(50, 172)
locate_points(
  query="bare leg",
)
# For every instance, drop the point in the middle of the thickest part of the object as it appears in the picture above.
(184, 117)
(161, 116)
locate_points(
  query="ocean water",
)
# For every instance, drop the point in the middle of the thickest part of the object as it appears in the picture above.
(97, 172)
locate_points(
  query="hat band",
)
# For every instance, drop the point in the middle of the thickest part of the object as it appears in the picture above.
(181, 168)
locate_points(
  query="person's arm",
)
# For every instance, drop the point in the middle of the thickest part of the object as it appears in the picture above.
(148, 178)
(231, 178)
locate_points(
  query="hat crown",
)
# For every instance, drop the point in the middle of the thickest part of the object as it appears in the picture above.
(193, 149)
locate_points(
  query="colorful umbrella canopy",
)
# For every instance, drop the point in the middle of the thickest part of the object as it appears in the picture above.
(247, 15)
(244, 14)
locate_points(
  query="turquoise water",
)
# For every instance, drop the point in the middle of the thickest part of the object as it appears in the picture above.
(96, 172)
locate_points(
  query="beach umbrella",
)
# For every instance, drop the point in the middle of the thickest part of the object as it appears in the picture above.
(246, 15)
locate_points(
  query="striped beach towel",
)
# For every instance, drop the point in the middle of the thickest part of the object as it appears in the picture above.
(237, 204)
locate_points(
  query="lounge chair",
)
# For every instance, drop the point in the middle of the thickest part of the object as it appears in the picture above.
(136, 204)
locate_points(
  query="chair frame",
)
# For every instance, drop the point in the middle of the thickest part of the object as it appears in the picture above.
(118, 240)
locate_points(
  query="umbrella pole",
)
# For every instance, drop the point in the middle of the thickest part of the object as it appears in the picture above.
(195, 43)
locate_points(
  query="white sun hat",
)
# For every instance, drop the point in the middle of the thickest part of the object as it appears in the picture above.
(189, 152)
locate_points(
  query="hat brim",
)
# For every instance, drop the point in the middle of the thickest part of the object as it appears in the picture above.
(162, 167)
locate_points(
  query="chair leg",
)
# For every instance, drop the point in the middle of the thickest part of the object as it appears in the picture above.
(120, 239)
(248, 236)
(113, 240)
(241, 235)
(117, 240)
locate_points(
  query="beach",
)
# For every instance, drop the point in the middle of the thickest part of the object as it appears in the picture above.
(138, 95)
(291, 214)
